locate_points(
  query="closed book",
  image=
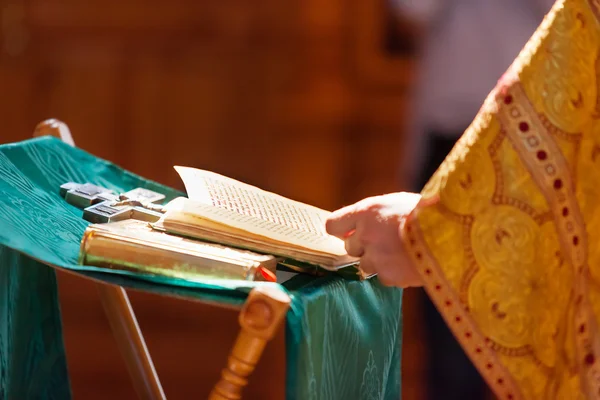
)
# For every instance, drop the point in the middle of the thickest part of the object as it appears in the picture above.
(133, 246)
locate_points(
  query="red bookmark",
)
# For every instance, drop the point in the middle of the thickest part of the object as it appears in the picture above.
(267, 275)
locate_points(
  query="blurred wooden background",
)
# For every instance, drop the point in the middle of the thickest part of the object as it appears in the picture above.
(304, 98)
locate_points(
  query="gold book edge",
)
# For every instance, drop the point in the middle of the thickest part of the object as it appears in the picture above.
(133, 246)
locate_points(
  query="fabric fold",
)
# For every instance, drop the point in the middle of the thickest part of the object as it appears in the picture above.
(506, 235)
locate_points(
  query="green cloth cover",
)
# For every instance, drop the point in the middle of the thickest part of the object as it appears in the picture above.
(343, 337)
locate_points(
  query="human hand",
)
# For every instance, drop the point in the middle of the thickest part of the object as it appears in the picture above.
(371, 231)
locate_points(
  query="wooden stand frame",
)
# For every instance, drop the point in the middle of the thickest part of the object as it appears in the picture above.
(260, 318)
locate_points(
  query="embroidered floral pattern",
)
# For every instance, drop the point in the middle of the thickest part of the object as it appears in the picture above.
(507, 256)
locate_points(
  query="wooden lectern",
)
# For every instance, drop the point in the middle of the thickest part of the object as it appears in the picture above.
(260, 318)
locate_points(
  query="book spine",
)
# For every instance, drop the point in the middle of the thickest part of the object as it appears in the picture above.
(118, 252)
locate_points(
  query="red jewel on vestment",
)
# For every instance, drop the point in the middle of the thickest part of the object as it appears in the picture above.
(558, 184)
(523, 126)
(590, 359)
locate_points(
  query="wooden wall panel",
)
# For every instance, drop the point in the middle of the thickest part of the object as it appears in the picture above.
(87, 92)
(297, 97)
(17, 98)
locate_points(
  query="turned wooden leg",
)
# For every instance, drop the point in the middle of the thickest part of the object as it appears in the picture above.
(259, 319)
(117, 307)
(56, 128)
(130, 341)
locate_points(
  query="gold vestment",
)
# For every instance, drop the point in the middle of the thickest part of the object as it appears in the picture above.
(507, 239)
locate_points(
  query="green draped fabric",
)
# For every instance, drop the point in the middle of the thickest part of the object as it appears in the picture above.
(32, 356)
(343, 337)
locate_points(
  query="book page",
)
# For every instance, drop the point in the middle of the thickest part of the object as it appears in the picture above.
(136, 229)
(257, 211)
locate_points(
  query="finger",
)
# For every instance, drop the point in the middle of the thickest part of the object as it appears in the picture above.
(367, 266)
(389, 272)
(354, 245)
(388, 277)
(392, 271)
(342, 221)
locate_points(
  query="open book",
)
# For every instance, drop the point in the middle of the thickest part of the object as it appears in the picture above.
(229, 212)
